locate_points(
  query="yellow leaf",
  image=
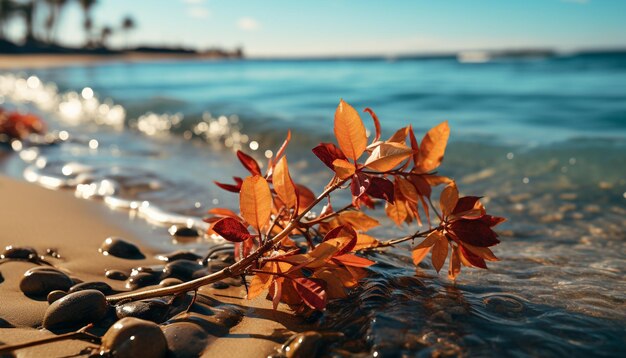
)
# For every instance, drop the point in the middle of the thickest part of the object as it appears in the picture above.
(387, 155)
(255, 201)
(350, 131)
(449, 198)
(433, 147)
(283, 184)
(455, 263)
(419, 254)
(343, 168)
(440, 252)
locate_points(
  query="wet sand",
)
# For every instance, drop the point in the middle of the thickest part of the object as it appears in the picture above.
(32, 61)
(42, 219)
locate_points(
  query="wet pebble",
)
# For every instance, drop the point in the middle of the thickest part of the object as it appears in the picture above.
(55, 295)
(185, 339)
(143, 279)
(76, 309)
(116, 275)
(99, 286)
(23, 253)
(169, 282)
(150, 310)
(305, 344)
(219, 285)
(117, 247)
(40, 281)
(134, 337)
(183, 232)
(180, 255)
(181, 269)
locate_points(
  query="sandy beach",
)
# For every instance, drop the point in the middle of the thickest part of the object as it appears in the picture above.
(38, 61)
(44, 219)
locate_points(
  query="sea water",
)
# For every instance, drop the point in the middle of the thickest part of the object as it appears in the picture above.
(542, 139)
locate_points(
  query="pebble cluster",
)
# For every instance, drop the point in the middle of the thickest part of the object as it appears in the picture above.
(173, 326)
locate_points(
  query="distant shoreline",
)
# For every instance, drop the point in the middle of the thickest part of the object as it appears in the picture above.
(39, 61)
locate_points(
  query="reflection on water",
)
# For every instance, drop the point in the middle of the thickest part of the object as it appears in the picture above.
(558, 290)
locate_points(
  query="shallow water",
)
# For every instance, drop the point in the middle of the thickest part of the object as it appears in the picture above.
(542, 140)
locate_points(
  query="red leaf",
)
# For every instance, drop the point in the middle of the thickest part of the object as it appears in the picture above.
(229, 187)
(474, 232)
(474, 260)
(327, 153)
(311, 291)
(359, 185)
(381, 188)
(492, 221)
(343, 231)
(249, 163)
(465, 203)
(231, 230)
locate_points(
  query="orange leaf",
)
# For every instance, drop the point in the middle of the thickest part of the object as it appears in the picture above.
(449, 198)
(261, 281)
(358, 220)
(407, 189)
(353, 260)
(387, 155)
(305, 197)
(255, 201)
(399, 136)
(455, 263)
(419, 254)
(396, 212)
(440, 252)
(343, 168)
(365, 242)
(283, 184)
(334, 284)
(414, 146)
(350, 131)
(433, 147)
(376, 123)
(431, 239)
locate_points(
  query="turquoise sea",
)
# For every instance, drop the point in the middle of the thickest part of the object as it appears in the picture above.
(543, 139)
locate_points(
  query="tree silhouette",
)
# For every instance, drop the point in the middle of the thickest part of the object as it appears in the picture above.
(87, 5)
(128, 24)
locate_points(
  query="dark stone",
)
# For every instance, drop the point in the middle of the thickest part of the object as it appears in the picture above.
(183, 231)
(181, 269)
(150, 310)
(134, 337)
(185, 339)
(40, 281)
(143, 279)
(116, 275)
(169, 282)
(55, 295)
(99, 286)
(117, 247)
(76, 309)
(23, 253)
(180, 255)
(220, 285)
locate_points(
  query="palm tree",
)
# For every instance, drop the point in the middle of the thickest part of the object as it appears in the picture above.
(105, 34)
(128, 24)
(87, 5)
(55, 8)
(7, 11)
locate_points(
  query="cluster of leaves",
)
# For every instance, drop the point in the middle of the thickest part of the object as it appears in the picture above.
(304, 260)
(17, 125)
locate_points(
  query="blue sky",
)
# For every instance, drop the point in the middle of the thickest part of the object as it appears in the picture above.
(344, 27)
